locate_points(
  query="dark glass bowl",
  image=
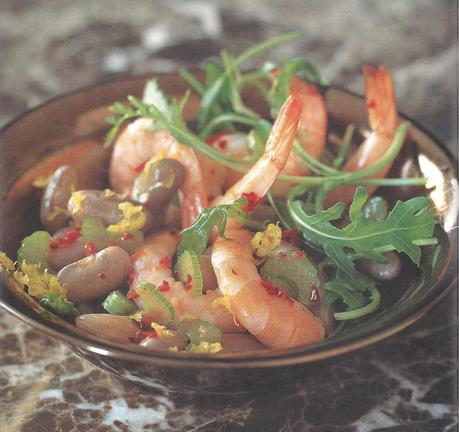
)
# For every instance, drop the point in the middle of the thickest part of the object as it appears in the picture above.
(78, 117)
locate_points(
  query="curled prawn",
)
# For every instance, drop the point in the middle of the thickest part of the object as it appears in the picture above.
(276, 321)
(137, 144)
(262, 175)
(312, 129)
(152, 263)
(383, 119)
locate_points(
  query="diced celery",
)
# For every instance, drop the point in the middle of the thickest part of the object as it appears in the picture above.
(59, 305)
(93, 230)
(155, 305)
(198, 331)
(189, 271)
(116, 303)
(33, 248)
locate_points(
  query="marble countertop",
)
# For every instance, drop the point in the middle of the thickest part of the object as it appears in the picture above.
(406, 383)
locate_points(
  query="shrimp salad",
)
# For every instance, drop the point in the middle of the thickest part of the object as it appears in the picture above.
(238, 230)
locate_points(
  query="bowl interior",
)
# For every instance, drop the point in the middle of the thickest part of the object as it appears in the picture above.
(71, 128)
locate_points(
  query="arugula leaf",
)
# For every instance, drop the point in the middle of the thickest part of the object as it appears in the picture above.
(153, 95)
(403, 228)
(195, 238)
(60, 305)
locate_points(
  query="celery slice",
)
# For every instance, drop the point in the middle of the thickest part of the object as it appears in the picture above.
(33, 249)
(155, 305)
(189, 271)
(116, 303)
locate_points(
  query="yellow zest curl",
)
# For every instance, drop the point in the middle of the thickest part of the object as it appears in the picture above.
(75, 201)
(224, 301)
(56, 212)
(160, 330)
(40, 283)
(137, 316)
(263, 242)
(205, 348)
(6, 262)
(41, 182)
(109, 194)
(133, 219)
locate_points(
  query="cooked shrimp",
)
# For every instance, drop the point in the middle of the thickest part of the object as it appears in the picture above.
(312, 128)
(152, 263)
(383, 119)
(218, 177)
(262, 175)
(137, 144)
(276, 321)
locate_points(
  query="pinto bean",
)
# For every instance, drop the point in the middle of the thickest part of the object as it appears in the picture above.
(56, 196)
(112, 327)
(172, 339)
(96, 275)
(102, 205)
(58, 258)
(382, 272)
(236, 342)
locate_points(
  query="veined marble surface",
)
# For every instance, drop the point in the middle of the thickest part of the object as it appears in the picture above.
(407, 383)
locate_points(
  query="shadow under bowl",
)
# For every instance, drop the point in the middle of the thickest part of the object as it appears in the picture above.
(76, 121)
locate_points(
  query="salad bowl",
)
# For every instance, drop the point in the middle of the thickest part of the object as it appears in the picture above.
(66, 129)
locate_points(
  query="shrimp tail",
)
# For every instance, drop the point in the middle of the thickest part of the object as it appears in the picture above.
(380, 99)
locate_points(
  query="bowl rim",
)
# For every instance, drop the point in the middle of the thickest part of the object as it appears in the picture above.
(263, 359)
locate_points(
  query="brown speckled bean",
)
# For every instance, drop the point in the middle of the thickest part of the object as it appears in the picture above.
(170, 340)
(104, 206)
(96, 275)
(56, 196)
(112, 327)
(382, 272)
(58, 258)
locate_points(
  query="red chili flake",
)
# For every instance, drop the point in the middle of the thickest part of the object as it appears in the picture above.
(165, 261)
(222, 144)
(299, 254)
(126, 236)
(291, 236)
(101, 275)
(90, 248)
(68, 238)
(142, 334)
(215, 138)
(281, 255)
(313, 90)
(189, 280)
(270, 287)
(274, 291)
(131, 294)
(252, 201)
(371, 104)
(139, 168)
(234, 272)
(210, 198)
(314, 295)
(164, 286)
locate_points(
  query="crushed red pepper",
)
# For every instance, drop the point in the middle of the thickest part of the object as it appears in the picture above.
(165, 261)
(165, 286)
(67, 239)
(274, 291)
(217, 137)
(131, 294)
(142, 334)
(90, 248)
(371, 104)
(101, 275)
(189, 280)
(252, 201)
(126, 236)
(139, 168)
